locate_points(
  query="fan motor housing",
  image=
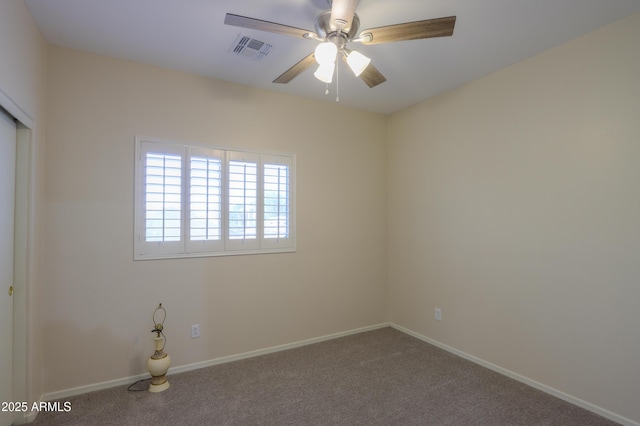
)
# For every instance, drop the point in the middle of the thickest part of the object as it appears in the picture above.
(324, 28)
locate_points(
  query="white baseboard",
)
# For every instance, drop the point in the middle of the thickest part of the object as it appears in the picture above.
(251, 354)
(66, 393)
(31, 416)
(544, 388)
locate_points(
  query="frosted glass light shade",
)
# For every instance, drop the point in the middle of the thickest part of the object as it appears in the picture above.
(326, 53)
(357, 62)
(324, 72)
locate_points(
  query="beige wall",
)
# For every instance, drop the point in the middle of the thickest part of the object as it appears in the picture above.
(22, 79)
(514, 205)
(99, 302)
(23, 57)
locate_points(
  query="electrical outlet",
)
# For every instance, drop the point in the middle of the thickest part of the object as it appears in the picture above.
(195, 331)
(438, 314)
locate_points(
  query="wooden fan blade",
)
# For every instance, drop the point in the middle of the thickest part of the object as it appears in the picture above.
(258, 24)
(342, 12)
(295, 70)
(440, 27)
(372, 76)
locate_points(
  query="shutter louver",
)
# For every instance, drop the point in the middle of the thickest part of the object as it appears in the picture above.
(276, 201)
(162, 192)
(205, 197)
(243, 193)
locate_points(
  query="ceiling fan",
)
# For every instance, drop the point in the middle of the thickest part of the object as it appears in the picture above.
(337, 27)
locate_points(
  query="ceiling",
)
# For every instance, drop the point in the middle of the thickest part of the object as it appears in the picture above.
(190, 35)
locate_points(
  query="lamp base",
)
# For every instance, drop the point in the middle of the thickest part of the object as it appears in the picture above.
(158, 369)
(159, 388)
(158, 365)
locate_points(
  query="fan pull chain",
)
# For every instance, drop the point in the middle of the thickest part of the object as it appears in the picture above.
(326, 88)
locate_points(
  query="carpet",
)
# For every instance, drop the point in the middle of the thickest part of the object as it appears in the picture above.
(380, 377)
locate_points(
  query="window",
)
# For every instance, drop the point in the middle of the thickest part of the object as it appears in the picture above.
(196, 201)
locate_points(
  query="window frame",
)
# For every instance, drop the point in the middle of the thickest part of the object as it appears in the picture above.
(225, 246)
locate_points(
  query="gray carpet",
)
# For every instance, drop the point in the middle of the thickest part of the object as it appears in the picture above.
(381, 377)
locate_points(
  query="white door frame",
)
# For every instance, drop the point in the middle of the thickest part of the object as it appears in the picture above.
(22, 247)
(21, 267)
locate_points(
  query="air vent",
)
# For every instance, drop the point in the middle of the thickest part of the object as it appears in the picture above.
(250, 48)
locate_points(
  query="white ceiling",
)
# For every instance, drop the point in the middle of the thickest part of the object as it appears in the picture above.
(190, 35)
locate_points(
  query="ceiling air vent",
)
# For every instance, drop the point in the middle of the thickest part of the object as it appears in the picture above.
(250, 48)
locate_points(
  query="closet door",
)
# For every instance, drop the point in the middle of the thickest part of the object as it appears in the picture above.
(7, 202)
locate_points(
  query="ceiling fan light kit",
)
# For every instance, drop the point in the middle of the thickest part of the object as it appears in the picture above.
(337, 27)
(326, 53)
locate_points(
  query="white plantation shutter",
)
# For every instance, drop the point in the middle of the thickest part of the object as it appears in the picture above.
(163, 192)
(198, 201)
(205, 200)
(277, 219)
(243, 201)
(161, 228)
